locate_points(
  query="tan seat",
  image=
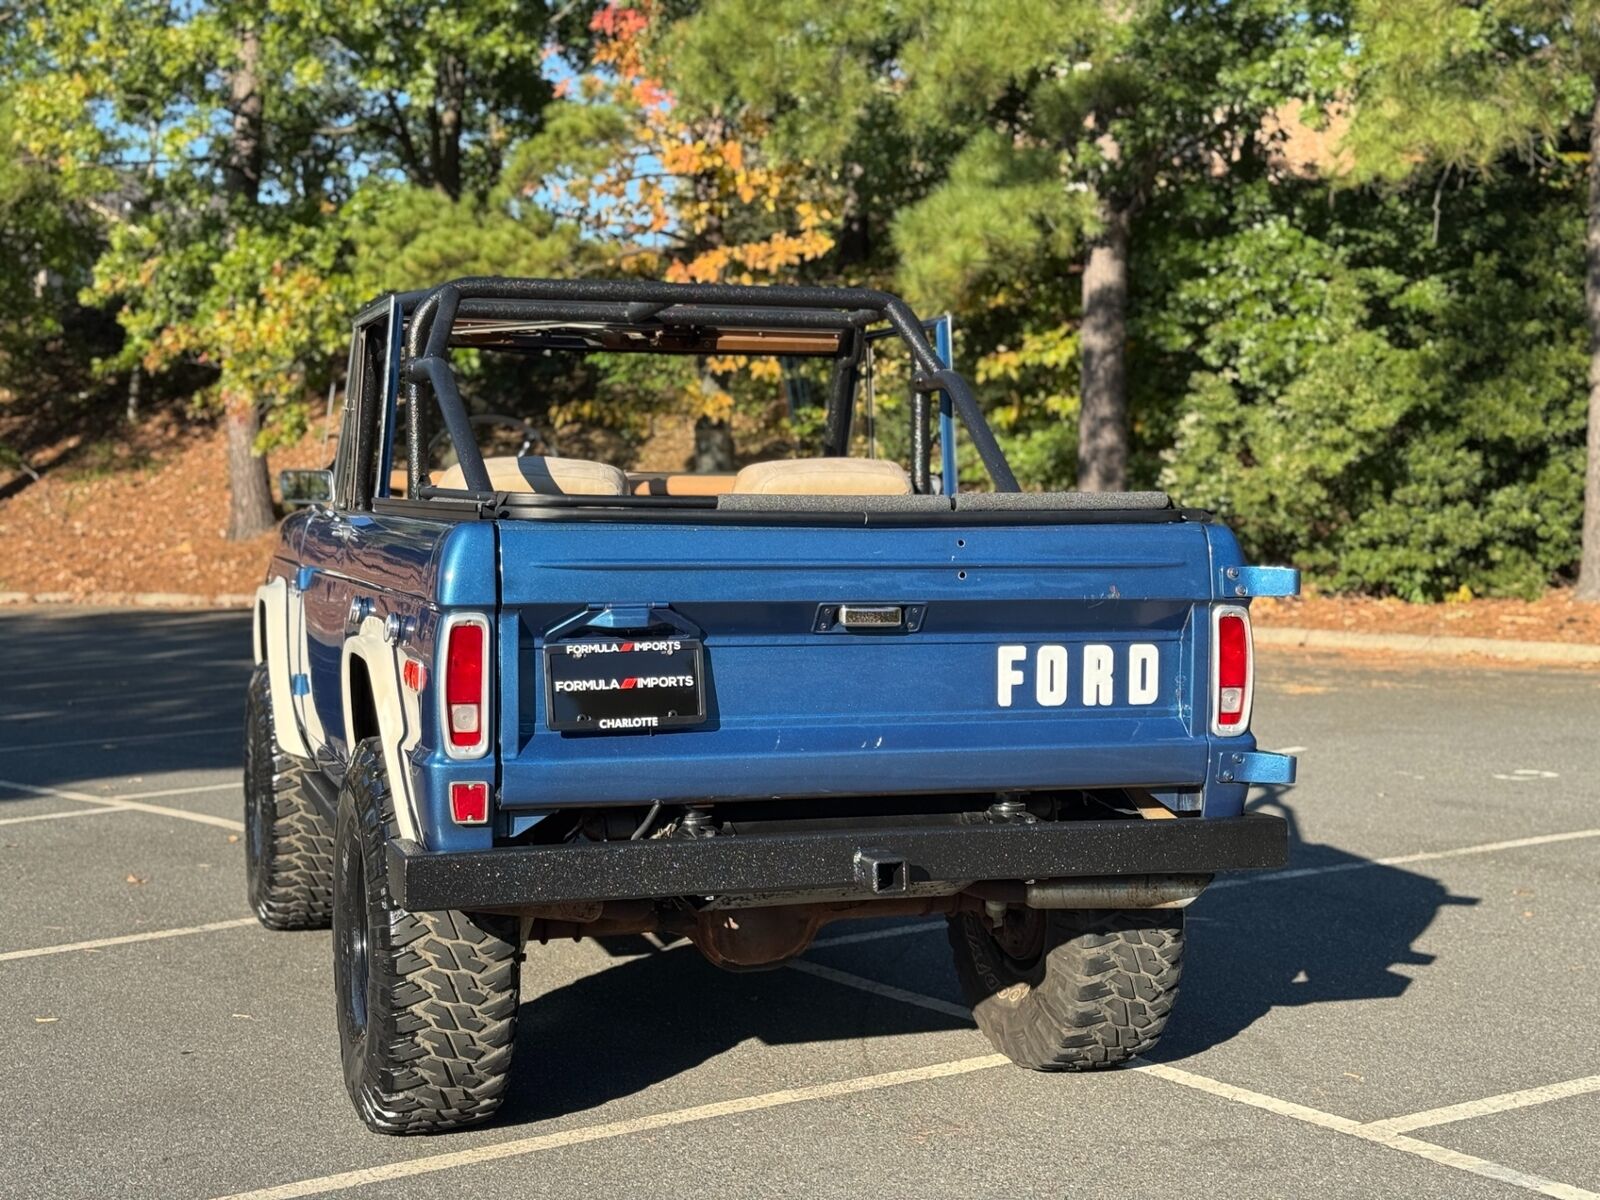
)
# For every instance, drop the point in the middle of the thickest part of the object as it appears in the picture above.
(823, 477)
(543, 476)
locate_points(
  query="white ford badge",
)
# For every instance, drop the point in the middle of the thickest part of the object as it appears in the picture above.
(1098, 672)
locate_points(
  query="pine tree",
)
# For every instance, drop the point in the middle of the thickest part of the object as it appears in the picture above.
(1458, 86)
(1041, 129)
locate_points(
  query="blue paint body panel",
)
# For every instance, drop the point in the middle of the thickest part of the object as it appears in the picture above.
(791, 711)
(796, 713)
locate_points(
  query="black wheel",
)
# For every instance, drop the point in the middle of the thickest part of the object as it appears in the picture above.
(1070, 990)
(288, 844)
(427, 1001)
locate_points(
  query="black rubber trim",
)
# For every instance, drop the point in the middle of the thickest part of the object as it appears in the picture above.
(510, 876)
(461, 508)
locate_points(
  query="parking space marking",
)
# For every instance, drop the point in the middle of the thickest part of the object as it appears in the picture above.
(874, 935)
(1469, 1163)
(126, 939)
(1374, 1132)
(81, 812)
(121, 739)
(519, 1147)
(886, 990)
(1399, 860)
(127, 802)
(1487, 1107)
(112, 695)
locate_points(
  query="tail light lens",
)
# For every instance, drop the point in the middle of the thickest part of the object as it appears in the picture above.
(1232, 671)
(464, 685)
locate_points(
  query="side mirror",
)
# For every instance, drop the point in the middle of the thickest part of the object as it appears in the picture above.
(301, 488)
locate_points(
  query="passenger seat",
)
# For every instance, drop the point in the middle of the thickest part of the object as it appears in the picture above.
(543, 476)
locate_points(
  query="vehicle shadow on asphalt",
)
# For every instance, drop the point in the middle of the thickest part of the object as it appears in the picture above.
(172, 682)
(1308, 940)
(643, 1020)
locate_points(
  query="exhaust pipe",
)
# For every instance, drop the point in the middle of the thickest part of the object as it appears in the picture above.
(1110, 891)
(1124, 891)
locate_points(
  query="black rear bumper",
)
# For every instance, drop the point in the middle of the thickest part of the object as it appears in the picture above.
(874, 862)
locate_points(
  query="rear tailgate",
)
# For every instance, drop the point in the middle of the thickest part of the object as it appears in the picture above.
(1043, 656)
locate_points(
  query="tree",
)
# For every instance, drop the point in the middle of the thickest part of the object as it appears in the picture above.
(1056, 123)
(689, 196)
(248, 129)
(1447, 86)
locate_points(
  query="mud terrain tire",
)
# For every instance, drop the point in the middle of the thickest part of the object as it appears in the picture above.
(427, 1001)
(288, 842)
(1071, 990)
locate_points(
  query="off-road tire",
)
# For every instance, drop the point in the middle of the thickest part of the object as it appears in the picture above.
(427, 1001)
(288, 842)
(1071, 990)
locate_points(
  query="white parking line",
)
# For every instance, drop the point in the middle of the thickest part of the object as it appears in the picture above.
(127, 802)
(1469, 1163)
(1378, 1133)
(77, 812)
(154, 935)
(519, 1147)
(1544, 839)
(121, 739)
(887, 991)
(875, 935)
(111, 695)
(1487, 1107)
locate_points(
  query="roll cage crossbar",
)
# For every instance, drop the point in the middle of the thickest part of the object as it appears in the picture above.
(646, 304)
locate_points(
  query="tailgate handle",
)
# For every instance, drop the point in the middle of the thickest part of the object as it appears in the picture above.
(869, 618)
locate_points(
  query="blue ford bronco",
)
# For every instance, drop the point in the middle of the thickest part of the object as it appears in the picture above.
(504, 696)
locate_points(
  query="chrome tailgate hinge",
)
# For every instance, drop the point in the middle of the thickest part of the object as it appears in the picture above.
(1260, 581)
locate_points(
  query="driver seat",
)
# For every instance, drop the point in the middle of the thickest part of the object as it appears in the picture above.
(543, 475)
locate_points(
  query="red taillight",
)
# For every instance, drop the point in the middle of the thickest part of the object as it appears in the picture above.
(469, 803)
(1231, 672)
(464, 696)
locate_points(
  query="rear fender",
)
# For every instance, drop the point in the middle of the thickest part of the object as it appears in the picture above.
(398, 710)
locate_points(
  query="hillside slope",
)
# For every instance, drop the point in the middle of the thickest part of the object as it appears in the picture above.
(141, 514)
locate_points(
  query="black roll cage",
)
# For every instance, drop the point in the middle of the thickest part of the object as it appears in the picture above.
(647, 305)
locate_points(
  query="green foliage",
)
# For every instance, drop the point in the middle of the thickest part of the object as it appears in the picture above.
(1454, 84)
(46, 246)
(1382, 381)
(414, 238)
(1391, 415)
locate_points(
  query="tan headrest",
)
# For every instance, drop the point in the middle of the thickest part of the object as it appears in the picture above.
(824, 477)
(544, 476)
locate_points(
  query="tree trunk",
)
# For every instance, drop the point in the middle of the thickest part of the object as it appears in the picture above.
(242, 167)
(249, 494)
(713, 447)
(452, 88)
(1589, 557)
(1102, 347)
(135, 380)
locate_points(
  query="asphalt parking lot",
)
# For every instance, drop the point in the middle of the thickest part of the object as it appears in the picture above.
(1409, 1008)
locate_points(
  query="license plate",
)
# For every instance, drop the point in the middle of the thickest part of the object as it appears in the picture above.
(624, 685)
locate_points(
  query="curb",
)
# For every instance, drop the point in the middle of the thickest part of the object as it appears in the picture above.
(157, 600)
(1439, 647)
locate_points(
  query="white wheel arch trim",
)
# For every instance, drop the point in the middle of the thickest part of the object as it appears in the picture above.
(399, 713)
(271, 626)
